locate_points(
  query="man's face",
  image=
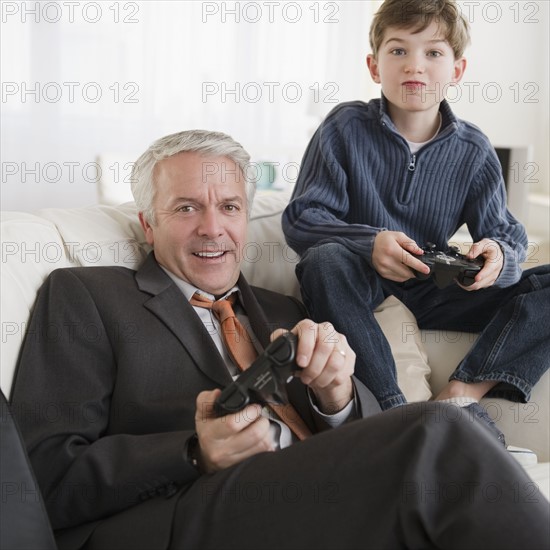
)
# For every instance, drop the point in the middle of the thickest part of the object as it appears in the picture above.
(415, 69)
(201, 219)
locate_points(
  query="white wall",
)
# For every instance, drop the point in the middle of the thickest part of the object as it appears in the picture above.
(151, 62)
(506, 85)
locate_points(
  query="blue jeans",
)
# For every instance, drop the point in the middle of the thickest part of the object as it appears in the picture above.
(513, 348)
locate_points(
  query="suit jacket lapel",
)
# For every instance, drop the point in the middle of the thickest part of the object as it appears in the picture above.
(255, 313)
(171, 307)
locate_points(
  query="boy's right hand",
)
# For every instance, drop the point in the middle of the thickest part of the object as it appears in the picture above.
(392, 256)
(227, 440)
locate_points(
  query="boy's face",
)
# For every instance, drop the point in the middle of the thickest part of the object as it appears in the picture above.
(415, 69)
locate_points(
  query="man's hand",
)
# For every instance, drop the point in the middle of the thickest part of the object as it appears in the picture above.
(491, 252)
(326, 362)
(392, 256)
(227, 440)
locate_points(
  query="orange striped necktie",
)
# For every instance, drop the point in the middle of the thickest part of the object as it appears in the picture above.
(242, 352)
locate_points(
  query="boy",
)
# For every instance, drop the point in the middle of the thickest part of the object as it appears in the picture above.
(381, 179)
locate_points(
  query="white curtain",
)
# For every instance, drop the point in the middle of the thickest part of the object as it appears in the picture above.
(107, 78)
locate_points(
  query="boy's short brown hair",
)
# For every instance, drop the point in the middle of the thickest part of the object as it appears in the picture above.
(419, 14)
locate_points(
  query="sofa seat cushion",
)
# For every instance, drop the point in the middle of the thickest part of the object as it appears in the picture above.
(411, 360)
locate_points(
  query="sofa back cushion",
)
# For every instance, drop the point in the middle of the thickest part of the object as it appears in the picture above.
(35, 244)
(31, 248)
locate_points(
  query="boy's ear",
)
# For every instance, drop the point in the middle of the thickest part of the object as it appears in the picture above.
(372, 64)
(459, 68)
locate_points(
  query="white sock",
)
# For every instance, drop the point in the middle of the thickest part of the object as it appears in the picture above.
(459, 401)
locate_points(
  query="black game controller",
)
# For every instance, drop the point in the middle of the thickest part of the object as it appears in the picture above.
(264, 381)
(446, 267)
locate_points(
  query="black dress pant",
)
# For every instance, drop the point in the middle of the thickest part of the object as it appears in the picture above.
(425, 475)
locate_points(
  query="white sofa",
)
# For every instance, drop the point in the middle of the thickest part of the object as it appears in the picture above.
(33, 244)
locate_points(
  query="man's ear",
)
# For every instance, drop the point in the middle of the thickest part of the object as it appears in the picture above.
(372, 64)
(459, 68)
(147, 229)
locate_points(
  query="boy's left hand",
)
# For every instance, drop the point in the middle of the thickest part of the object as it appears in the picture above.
(493, 256)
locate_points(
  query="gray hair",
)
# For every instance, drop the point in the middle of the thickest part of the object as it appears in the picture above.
(209, 144)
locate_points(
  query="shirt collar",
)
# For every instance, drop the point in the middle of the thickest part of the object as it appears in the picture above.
(188, 289)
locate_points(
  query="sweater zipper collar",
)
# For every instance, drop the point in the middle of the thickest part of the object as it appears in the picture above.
(450, 125)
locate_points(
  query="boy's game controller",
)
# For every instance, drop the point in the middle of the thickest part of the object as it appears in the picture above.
(446, 267)
(264, 381)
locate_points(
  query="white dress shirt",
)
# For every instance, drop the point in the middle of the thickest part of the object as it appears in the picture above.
(281, 433)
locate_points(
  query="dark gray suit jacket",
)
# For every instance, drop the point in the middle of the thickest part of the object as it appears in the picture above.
(107, 382)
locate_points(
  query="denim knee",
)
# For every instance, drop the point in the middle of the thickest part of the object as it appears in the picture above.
(327, 260)
(341, 277)
(538, 277)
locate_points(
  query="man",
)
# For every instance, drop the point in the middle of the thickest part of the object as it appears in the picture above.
(138, 459)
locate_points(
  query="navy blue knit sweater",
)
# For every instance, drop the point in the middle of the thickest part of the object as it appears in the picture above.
(358, 177)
